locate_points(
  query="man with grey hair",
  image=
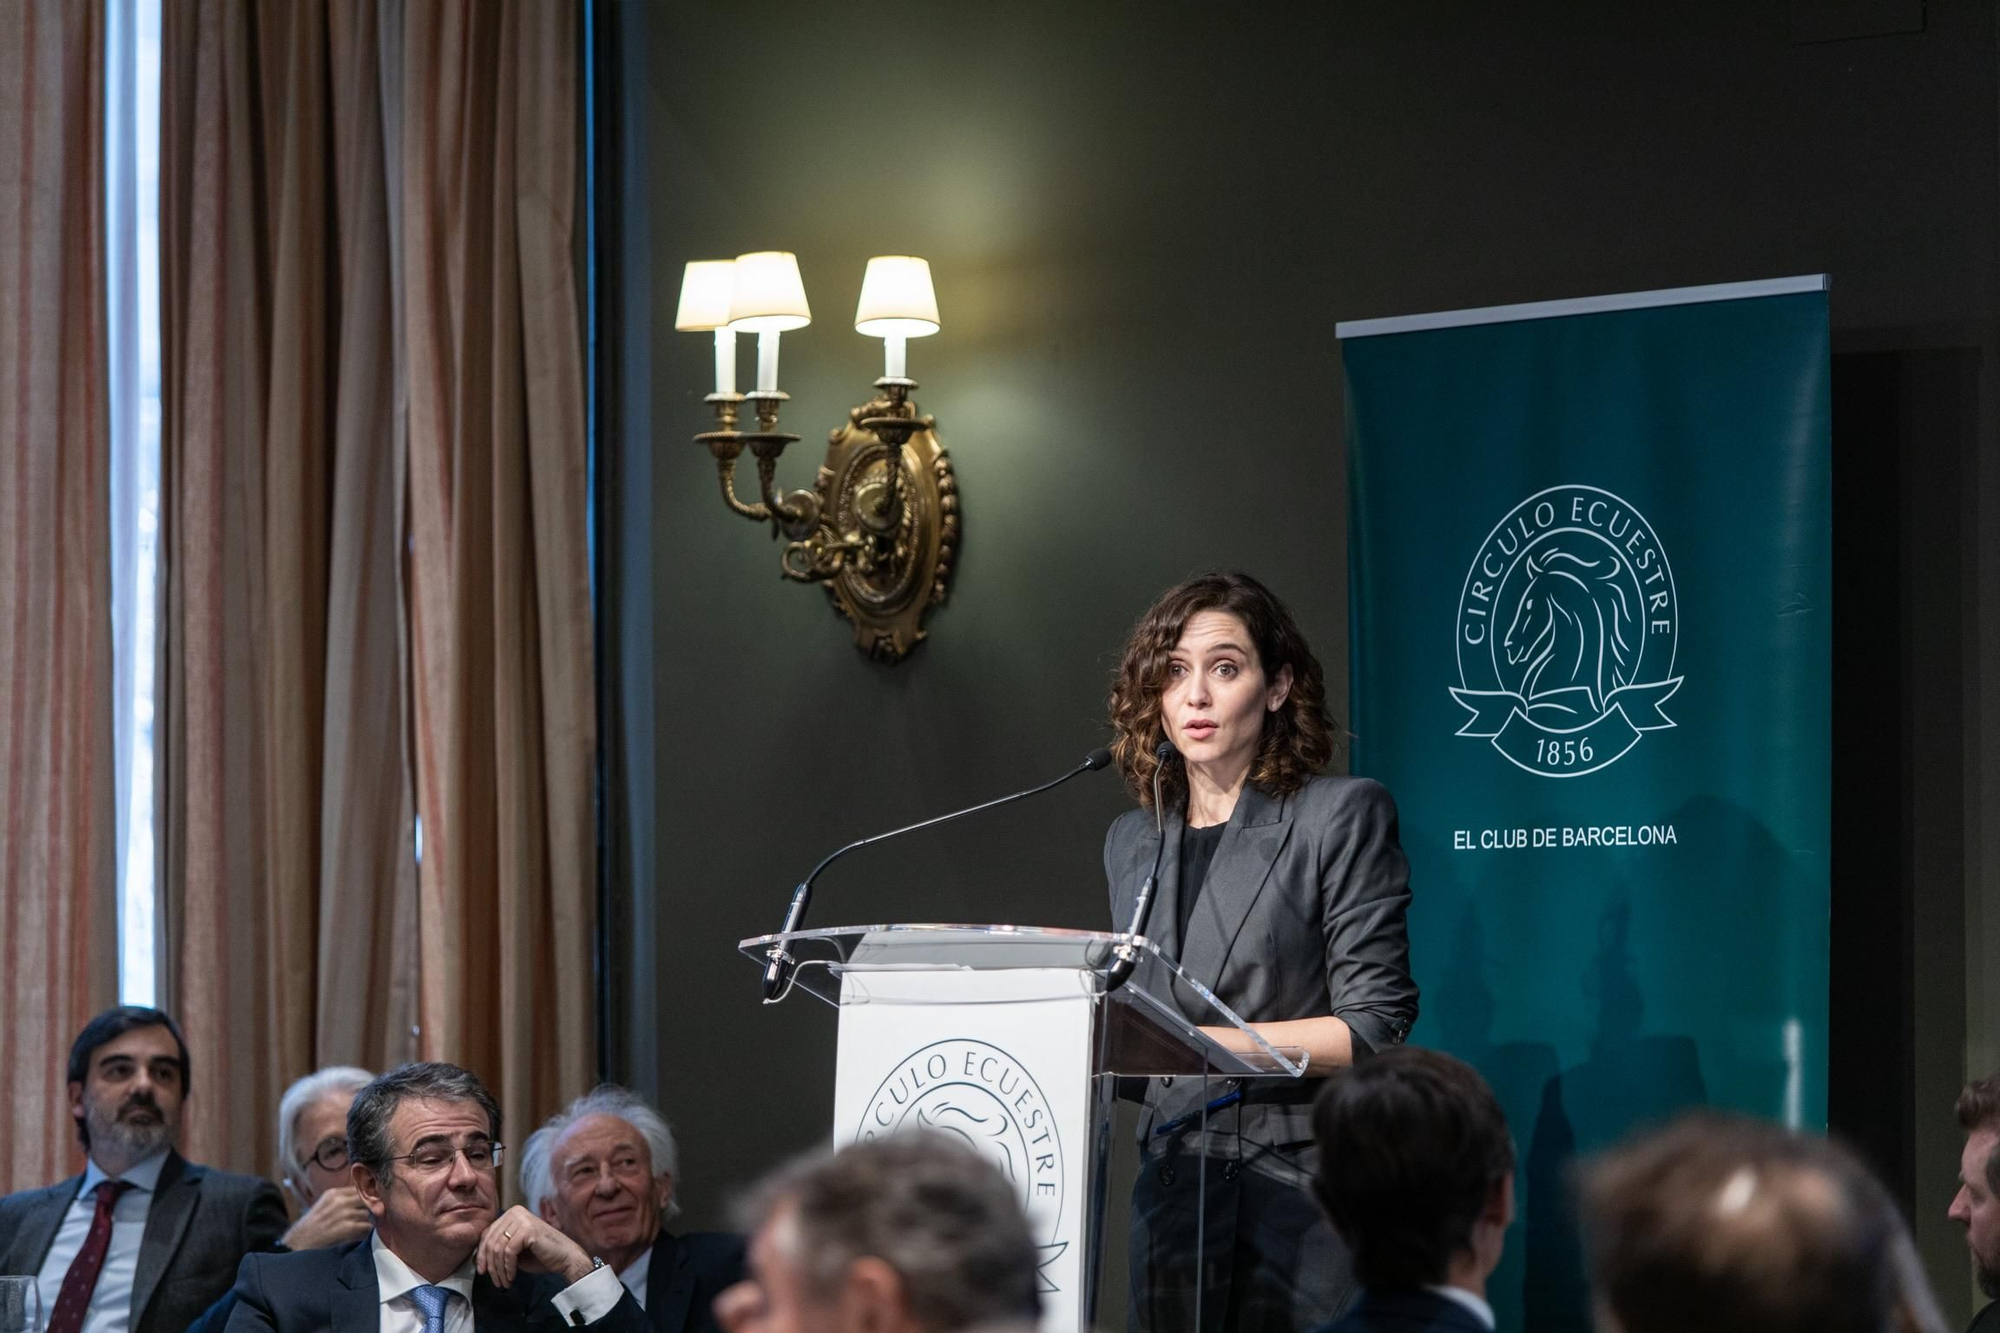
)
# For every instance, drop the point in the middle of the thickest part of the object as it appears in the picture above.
(424, 1140)
(913, 1234)
(312, 1158)
(312, 1163)
(603, 1170)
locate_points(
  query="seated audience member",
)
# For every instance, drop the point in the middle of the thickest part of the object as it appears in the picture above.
(312, 1161)
(603, 1171)
(1725, 1224)
(1976, 1206)
(144, 1239)
(913, 1234)
(424, 1143)
(312, 1158)
(1417, 1175)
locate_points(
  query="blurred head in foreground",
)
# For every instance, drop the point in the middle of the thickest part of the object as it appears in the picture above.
(1417, 1170)
(1727, 1224)
(913, 1234)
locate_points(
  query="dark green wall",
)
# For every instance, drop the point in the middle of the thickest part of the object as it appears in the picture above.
(1144, 221)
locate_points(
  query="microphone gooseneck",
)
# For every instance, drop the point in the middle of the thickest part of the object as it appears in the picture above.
(778, 970)
(1127, 958)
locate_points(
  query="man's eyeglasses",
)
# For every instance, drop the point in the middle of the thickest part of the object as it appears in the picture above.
(480, 1155)
(331, 1153)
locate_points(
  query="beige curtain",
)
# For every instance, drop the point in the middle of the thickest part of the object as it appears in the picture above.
(58, 839)
(288, 877)
(373, 518)
(500, 604)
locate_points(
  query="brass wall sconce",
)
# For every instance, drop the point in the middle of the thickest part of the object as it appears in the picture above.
(880, 526)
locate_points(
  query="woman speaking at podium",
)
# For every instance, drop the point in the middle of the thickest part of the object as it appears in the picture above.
(1283, 891)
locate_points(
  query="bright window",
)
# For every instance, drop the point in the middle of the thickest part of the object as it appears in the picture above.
(132, 231)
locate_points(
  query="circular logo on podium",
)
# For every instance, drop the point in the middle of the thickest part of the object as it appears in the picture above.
(976, 1093)
(1566, 633)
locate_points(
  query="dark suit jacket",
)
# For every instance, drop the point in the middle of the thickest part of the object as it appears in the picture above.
(334, 1290)
(200, 1226)
(687, 1274)
(1986, 1321)
(1301, 915)
(1405, 1312)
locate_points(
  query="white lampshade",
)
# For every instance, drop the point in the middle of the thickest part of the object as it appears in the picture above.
(897, 299)
(768, 295)
(706, 285)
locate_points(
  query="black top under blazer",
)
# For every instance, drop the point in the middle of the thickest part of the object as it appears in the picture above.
(1302, 915)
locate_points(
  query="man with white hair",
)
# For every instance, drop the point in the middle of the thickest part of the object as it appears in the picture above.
(312, 1158)
(603, 1171)
(312, 1165)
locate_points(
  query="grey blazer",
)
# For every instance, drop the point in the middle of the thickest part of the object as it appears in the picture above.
(1301, 915)
(200, 1226)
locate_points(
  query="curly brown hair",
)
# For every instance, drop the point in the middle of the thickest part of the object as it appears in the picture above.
(1298, 737)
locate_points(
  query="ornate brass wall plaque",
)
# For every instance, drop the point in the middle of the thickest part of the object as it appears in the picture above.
(889, 525)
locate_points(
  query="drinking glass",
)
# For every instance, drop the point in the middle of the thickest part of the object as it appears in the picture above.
(20, 1305)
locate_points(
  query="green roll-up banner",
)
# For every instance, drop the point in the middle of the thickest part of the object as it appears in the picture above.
(1591, 577)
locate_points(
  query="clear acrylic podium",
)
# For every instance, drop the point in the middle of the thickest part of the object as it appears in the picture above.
(1005, 1037)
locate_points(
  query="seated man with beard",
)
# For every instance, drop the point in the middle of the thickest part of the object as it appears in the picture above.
(603, 1170)
(144, 1239)
(1976, 1206)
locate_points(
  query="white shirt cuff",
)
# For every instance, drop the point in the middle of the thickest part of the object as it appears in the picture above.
(589, 1298)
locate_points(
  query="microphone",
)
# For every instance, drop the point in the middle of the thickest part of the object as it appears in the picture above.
(779, 969)
(1142, 907)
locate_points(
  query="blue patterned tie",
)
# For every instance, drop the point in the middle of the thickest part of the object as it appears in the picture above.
(431, 1300)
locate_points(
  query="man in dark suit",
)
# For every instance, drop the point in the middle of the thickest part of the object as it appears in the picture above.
(1976, 1206)
(1417, 1175)
(144, 1239)
(603, 1170)
(424, 1145)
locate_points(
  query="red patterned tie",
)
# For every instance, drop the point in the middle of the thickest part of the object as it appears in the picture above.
(74, 1301)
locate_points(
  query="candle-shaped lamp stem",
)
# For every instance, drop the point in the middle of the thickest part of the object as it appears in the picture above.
(725, 361)
(895, 360)
(768, 298)
(707, 287)
(767, 361)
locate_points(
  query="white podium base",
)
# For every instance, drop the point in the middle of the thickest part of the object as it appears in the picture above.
(1001, 1060)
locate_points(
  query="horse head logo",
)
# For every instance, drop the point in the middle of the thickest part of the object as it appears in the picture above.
(1565, 633)
(988, 1134)
(1573, 627)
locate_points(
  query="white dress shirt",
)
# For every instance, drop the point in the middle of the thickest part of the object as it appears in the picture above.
(1477, 1305)
(111, 1300)
(590, 1296)
(634, 1276)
